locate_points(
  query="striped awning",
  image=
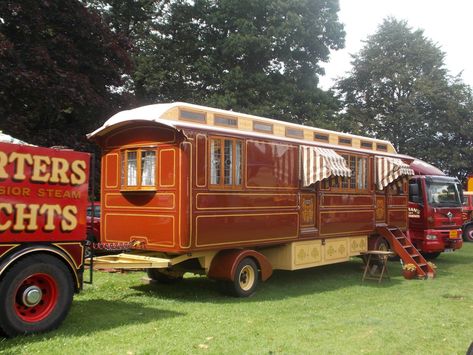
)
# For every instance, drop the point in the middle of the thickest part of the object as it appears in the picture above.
(389, 169)
(320, 163)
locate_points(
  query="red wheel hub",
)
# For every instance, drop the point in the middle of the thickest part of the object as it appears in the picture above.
(36, 297)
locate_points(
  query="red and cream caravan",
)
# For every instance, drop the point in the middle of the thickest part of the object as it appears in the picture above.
(235, 196)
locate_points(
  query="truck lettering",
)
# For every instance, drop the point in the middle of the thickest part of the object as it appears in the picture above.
(44, 169)
(20, 217)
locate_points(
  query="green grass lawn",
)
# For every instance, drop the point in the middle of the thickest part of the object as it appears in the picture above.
(324, 310)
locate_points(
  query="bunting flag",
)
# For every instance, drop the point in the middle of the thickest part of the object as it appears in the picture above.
(320, 163)
(389, 169)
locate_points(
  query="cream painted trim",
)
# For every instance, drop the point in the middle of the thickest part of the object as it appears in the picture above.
(245, 215)
(239, 207)
(190, 189)
(10, 245)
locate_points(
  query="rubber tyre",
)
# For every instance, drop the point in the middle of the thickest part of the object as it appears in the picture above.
(468, 233)
(57, 307)
(163, 278)
(246, 278)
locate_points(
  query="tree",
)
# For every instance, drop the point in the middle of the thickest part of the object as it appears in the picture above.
(260, 56)
(399, 90)
(58, 67)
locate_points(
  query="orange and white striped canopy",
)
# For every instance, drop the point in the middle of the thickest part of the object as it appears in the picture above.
(320, 163)
(389, 169)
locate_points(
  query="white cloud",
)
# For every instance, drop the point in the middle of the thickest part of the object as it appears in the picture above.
(446, 23)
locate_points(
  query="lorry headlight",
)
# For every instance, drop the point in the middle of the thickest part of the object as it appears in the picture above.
(431, 237)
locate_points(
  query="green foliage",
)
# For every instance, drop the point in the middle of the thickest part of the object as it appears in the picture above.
(324, 310)
(57, 64)
(400, 90)
(260, 57)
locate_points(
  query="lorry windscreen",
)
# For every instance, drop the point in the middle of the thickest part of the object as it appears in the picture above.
(443, 194)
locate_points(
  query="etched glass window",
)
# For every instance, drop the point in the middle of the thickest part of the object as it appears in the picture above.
(215, 161)
(226, 162)
(132, 176)
(148, 168)
(138, 168)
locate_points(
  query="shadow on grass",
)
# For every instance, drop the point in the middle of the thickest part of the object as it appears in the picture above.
(282, 285)
(90, 316)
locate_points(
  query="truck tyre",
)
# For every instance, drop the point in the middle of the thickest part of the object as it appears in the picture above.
(164, 277)
(431, 256)
(468, 233)
(245, 279)
(35, 295)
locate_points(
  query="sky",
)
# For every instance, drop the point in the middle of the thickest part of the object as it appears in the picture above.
(449, 24)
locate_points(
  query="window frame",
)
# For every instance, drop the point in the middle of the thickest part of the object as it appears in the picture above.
(124, 169)
(256, 129)
(221, 184)
(225, 117)
(202, 120)
(341, 181)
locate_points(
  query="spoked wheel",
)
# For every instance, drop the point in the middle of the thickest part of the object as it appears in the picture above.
(468, 233)
(244, 281)
(35, 295)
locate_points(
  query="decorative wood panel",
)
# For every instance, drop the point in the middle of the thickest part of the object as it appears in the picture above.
(380, 209)
(225, 201)
(234, 229)
(344, 222)
(155, 229)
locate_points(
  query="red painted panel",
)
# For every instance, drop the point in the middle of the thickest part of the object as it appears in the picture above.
(339, 222)
(397, 200)
(112, 177)
(201, 160)
(272, 165)
(75, 251)
(43, 194)
(347, 200)
(140, 134)
(167, 167)
(140, 199)
(398, 218)
(241, 200)
(125, 227)
(241, 229)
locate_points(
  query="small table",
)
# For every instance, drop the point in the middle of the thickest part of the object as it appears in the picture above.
(376, 259)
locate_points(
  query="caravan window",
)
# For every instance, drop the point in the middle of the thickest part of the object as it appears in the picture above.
(226, 162)
(138, 169)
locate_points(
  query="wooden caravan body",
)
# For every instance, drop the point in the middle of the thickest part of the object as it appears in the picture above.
(181, 179)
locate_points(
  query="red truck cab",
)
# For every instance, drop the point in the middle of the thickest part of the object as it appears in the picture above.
(467, 215)
(435, 210)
